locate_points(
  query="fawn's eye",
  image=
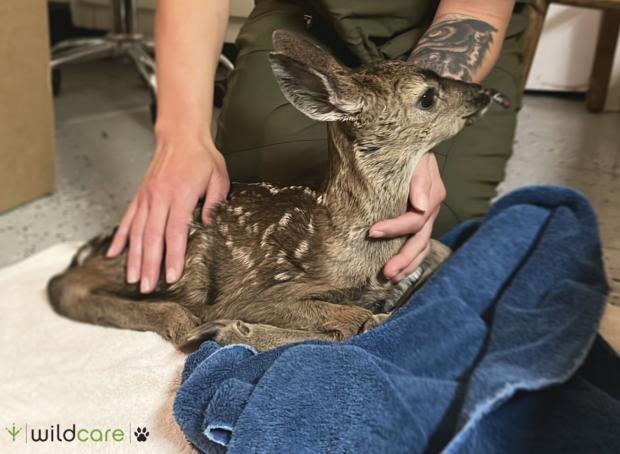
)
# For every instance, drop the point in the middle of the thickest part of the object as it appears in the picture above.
(427, 100)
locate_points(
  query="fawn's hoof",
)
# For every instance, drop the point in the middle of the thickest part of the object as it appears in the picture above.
(373, 322)
(223, 332)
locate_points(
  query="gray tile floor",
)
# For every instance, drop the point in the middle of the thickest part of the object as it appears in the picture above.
(105, 142)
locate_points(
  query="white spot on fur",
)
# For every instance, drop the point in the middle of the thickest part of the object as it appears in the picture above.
(284, 220)
(238, 210)
(242, 255)
(301, 249)
(310, 227)
(266, 233)
(282, 277)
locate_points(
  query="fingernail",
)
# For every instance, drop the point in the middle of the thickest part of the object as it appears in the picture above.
(376, 234)
(108, 253)
(171, 275)
(132, 276)
(399, 277)
(145, 285)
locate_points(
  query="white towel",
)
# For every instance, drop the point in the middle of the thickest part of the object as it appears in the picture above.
(58, 371)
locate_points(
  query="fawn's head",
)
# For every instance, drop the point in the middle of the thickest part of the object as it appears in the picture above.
(390, 113)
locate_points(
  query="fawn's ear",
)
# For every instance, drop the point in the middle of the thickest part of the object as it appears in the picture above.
(312, 80)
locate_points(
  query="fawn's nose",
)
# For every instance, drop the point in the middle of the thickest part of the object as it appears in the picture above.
(478, 101)
(497, 97)
(481, 97)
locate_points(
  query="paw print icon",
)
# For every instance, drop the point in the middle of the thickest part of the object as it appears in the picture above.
(141, 433)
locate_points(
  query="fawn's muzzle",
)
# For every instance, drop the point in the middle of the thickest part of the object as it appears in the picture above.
(483, 99)
(497, 97)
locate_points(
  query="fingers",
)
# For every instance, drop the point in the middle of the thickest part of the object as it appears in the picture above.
(153, 242)
(411, 254)
(421, 184)
(413, 265)
(438, 189)
(405, 224)
(122, 232)
(176, 238)
(426, 184)
(134, 256)
(216, 192)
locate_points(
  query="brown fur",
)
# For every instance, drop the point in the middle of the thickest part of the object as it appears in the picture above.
(279, 265)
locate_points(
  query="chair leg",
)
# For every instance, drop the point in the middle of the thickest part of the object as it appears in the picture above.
(144, 63)
(536, 13)
(603, 60)
(123, 17)
(80, 53)
(77, 42)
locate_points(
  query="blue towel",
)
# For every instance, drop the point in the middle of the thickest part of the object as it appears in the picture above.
(488, 357)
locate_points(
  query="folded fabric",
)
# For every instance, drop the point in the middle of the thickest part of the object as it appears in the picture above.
(483, 359)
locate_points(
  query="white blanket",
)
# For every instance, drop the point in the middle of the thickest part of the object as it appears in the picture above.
(57, 371)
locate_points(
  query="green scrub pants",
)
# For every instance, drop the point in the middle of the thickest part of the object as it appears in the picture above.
(264, 138)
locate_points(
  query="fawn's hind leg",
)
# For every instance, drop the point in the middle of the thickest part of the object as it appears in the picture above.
(93, 290)
(168, 319)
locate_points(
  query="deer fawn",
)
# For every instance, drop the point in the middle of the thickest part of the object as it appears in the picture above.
(285, 264)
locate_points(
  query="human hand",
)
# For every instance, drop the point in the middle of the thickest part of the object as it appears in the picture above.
(182, 171)
(426, 193)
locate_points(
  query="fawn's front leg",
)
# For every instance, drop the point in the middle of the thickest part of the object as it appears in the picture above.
(259, 336)
(304, 320)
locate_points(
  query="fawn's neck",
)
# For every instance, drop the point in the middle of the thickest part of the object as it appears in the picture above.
(360, 194)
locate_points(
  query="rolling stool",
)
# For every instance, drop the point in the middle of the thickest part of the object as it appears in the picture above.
(123, 40)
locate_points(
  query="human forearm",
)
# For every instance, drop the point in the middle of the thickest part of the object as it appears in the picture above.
(465, 38)
(188, 38)
(186, 165)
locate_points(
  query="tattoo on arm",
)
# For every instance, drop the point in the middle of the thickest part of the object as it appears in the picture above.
(454, 48)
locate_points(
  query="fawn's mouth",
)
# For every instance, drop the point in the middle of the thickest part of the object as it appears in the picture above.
(489, 96)
(475, 116)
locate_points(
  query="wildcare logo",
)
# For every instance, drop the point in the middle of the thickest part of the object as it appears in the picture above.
(58, 433)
